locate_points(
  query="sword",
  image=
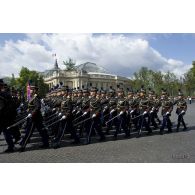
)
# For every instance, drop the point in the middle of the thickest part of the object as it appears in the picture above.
(63, 118)
(114, 117)
(82, 121)
(19, 122)
(53, 118)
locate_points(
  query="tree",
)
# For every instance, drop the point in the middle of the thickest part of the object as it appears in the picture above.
(26, 76)
(157, 80)
(70, 64)
(13, 82)
(189, 80)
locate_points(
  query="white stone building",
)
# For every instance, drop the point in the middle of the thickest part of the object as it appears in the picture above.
(87, 74)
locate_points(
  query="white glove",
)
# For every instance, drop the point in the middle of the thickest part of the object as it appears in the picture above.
(182, 112)
(94, 115)
(131, 111)
(151, 111)
(144, 113)
(112, 111)
(84, 113)
(167, 113)
(29, 116)
(53, 109)
(60, 114)
(121, 112)
(63, 117)
(78, 112)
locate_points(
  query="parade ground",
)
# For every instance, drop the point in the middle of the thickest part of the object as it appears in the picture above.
(175, 147)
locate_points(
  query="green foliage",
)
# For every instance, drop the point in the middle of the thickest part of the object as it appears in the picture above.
(27, 75)
(70, 64)
(157, 80)
(189, 79)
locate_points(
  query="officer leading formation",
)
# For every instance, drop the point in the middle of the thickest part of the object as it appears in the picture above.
(84, 113)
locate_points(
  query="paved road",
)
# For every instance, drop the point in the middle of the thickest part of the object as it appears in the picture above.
(175, 147)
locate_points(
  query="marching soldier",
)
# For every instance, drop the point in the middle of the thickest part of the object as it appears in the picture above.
(95, 110)
(112, 106)
(122, 108)
(167, 107)
(132, 111)
(85, 107)
(152, 109)
(78, 110)
(34, 120)
(14, 104)
(65, 124)
(5, 100)
(105, 108)
(144, 113)
(181, 110)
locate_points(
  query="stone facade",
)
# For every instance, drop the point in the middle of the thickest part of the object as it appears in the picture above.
(87, 74)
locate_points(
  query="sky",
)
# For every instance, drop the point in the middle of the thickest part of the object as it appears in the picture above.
(121, 54)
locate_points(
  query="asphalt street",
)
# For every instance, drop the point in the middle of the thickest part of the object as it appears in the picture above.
(175, 147)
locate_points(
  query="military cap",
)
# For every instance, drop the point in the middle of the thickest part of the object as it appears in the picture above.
(142, 90)
(79, 90)
(34, 85)
(102, 91)
(180, 92)
(98, 92)
(85, 90)
(163, 91)
(130, 91)
(74, 90)
(93, 89)
(120, 89)
(111, 90)
(5, 86)
(1, 82)
(151, 92)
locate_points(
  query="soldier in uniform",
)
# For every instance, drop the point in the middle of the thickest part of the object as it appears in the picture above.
(152, 109)
(77, 110)
(144, 113)
(34, 120)
(112, 106)
(181, 110)
(14, 104)
(105, 108)
(85, 107)
(66, 124)
(132, 108)
(122, 109)
(56, 105)
(167, 107)
(95, 113)
(5, 114)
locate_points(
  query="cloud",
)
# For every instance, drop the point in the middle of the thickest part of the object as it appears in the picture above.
(118, 53)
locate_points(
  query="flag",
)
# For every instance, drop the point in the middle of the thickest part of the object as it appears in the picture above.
(28, 91)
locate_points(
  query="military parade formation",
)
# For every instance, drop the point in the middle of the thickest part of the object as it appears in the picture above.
(85, 113)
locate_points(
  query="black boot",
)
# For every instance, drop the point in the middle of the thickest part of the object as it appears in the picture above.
(9, 150)
(161, 132)
(177, 129)
(139, 133)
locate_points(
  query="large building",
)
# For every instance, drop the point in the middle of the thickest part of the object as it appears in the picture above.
(87, 74)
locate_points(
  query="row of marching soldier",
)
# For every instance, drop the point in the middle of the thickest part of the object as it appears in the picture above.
(85, 113)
